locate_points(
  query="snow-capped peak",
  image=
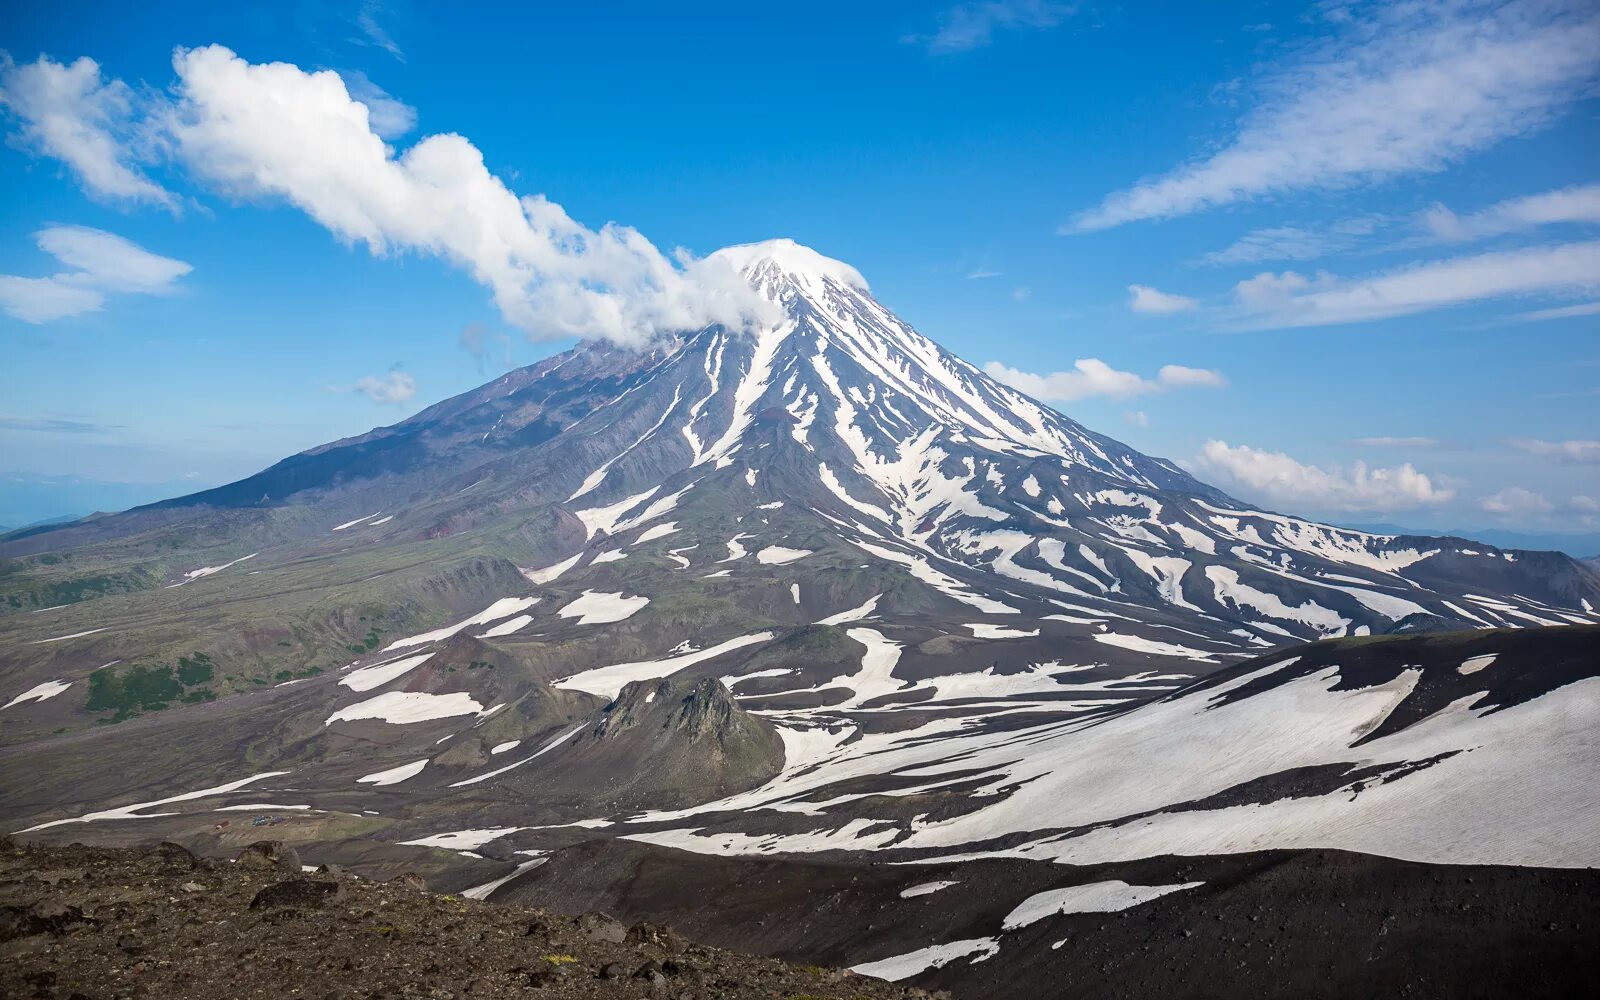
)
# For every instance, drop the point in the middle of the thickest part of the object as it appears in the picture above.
(772, 263)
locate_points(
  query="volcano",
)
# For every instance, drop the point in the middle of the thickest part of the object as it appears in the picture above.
(818, 588)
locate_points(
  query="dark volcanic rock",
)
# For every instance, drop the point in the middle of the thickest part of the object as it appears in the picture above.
(600, 927)
(270, 854)
(664, 743)
(176, 854)
(302, 892)
(658, 935)
(409, 880)
(48, 916)
(257, 936)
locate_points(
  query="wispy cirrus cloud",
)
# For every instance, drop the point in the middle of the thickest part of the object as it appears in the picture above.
(48, 425)
(1385, 441)
(1296, 242)
(1273, 477)
(1405, 87)
(1290, 299)
(1092, 377)
(372, 31)
(1577, 204)
(973, 25)
(1559, 312)
(98, 263)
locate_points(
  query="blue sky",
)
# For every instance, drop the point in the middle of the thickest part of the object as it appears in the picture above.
(1339, 258)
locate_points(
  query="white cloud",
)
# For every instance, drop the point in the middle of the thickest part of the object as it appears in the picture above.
(67, 112)
(1397, 442)
(1274, 243)
(1296, 242)
(1093, 377)
(1565, 452)
(394, 388)
(1411, 86)
(389, 116)
(1290, 299)
(276, 131)
(106, 260)
(1144, 299)
(40, 300)
(981, 273)
(1137, 418)
(98, 262)
(1276, 478)
(1559, 312)
(372, 32)
(1514, 501)
(1021, 293)
(1577, 204)
(1172, 376)
(973, 25)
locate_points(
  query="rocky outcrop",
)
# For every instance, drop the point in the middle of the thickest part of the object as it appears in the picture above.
(662, 743)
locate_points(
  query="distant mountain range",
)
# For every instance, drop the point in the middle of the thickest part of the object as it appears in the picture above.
(1579, 546)
(750, 599)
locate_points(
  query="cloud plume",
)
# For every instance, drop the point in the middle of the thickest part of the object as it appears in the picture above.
(275, 132)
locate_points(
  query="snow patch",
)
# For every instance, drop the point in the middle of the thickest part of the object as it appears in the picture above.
(597, 608)
(394, 775)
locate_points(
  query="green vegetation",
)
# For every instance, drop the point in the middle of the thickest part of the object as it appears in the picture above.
(53, 594)
(368, 643)
(196, 669)
(127, 691)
